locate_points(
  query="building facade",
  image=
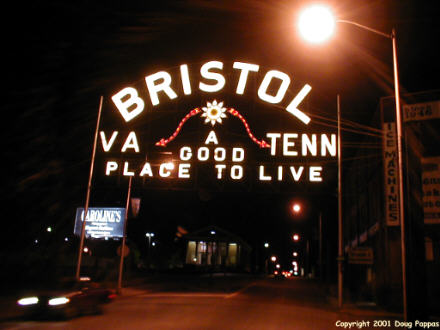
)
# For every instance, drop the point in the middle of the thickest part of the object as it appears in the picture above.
(371, 208)
(213, 248)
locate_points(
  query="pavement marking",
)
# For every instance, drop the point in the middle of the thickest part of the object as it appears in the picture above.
(183, 294)
(236, 293)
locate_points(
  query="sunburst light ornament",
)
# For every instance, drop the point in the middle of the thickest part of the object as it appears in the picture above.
(214, 112)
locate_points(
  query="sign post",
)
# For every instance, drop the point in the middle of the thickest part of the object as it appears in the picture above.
(89, 186)
(121, 260)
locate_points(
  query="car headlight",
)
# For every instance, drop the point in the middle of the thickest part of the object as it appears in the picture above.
(28, 301)
(58, 301)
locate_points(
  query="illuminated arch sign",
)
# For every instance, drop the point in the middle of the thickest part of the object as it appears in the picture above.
(130, 105)
(292, 156)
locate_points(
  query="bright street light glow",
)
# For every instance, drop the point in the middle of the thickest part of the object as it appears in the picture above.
(266, 245)
(316, 24)
(296, 208)
(273, 258)
(296, 237)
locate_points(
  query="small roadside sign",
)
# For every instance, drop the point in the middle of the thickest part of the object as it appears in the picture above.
(361, 256)
(126, 251)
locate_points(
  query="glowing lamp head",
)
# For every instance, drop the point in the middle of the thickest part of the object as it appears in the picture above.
(316, 24)
(295, 237)
(296, 208)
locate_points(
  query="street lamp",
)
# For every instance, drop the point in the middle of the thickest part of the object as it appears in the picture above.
(316, 24)
(295, 237)
(149, 236)
(296, 208)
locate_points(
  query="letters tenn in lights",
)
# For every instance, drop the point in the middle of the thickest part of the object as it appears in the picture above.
(131, 105)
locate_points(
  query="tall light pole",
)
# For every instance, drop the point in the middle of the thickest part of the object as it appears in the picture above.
(317, 24)
(340, 228)
(149, 236)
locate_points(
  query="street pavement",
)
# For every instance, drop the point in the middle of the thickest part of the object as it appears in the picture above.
(220, 303)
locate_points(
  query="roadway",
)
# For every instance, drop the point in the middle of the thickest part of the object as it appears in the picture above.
(258, 304)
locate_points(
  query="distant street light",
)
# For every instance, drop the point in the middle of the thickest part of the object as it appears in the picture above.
(295, 237)
(295, 254)
(273, 258)
(266, 245)
(49, 229)
(296, 208)
(149, 236)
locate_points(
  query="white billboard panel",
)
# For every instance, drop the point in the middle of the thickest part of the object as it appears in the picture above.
(101, 222)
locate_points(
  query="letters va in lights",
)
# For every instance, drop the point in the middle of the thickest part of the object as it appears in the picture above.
(130, 104)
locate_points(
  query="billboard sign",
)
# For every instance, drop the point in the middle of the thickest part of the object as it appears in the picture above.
(421, 111)
(360, 255)
(101, 222)
(431, 189)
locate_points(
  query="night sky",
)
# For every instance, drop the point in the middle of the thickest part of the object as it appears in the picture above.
(61, 57)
